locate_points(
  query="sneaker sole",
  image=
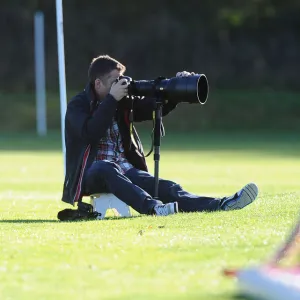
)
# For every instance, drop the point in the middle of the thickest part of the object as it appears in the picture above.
(248, 194)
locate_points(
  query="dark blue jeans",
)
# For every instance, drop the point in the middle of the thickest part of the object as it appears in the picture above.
(136, 189)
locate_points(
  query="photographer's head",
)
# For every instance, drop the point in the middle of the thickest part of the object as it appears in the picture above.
(103, 71)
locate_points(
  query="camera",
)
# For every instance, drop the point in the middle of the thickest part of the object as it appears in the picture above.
(189, 89)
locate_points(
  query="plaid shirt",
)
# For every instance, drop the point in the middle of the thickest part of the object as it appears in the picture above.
(110, 148)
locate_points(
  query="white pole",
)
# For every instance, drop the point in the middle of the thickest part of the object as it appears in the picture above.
(39, 52)
(62, 73)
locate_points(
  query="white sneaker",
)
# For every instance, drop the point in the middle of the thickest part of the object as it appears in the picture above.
(166, 209)
(242, 198)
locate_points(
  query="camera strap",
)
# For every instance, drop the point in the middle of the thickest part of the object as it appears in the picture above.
(132, 139)
(162, 133)
(152, 135)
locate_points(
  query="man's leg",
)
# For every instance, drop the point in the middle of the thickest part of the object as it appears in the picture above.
(170, 192)
(104, 176)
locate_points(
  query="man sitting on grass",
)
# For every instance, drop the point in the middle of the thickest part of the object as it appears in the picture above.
(104, 155)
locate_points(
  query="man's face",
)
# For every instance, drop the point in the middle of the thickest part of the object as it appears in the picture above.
(103, 85)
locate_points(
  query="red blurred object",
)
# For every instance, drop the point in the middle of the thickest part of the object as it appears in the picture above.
(272, 280)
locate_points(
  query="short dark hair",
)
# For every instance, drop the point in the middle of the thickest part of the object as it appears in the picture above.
(102, 65)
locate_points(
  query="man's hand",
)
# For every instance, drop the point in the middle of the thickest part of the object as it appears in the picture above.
(185, 74)
(119, 89)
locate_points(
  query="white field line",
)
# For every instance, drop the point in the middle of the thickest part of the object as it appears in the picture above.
(10, 195)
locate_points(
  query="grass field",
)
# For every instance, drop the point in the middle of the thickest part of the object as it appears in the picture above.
(174, 257)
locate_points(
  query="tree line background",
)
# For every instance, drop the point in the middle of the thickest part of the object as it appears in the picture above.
(249, 50)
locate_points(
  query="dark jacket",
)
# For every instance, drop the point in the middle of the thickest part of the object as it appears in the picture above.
(87, 120)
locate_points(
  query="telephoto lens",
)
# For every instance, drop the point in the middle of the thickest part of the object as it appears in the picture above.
(189, 89)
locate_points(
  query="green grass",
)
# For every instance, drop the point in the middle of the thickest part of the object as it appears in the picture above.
(174, 257)
(250, 109)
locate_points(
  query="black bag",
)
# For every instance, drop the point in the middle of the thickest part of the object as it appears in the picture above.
(83, 212)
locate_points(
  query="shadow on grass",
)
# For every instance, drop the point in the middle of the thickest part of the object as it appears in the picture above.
(121, 218)
(244, 297)
(27, 221)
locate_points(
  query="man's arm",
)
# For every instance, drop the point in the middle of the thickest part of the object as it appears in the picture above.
(90, 127)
